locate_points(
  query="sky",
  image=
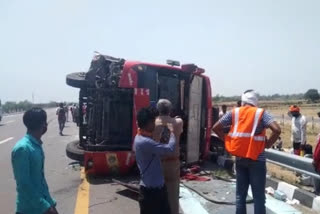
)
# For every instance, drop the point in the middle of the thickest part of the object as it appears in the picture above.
(272, 46)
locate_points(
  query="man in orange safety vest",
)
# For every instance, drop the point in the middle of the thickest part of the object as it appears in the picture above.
(247, 141)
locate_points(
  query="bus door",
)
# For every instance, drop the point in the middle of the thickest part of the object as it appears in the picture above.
(194, 120)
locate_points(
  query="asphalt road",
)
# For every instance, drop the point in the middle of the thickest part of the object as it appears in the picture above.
(63, 180)
(74, 195)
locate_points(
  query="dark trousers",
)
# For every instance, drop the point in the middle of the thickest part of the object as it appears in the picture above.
(253, 173)
(296, 148)
(61, 124)
(154, 201)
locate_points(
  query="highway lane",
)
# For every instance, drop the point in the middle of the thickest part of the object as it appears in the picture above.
(63, 181)
(65, 184)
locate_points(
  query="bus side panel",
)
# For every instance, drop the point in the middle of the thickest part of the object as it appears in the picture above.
(194, 120)
(140, 99)
(128, 77)
(209, 117)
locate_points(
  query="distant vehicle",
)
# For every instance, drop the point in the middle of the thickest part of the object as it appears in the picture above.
(112, 92)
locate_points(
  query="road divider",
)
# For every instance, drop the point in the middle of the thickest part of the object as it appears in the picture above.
(6, 140)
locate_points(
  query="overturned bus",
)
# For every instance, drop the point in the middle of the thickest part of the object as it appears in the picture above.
(113, 91)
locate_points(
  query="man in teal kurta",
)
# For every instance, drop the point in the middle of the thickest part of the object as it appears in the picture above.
(27, 159)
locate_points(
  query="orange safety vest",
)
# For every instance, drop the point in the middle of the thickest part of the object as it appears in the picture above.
(241, 141)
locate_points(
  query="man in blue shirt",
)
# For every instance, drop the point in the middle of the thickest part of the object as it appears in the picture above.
(153, 193)
(27, 159)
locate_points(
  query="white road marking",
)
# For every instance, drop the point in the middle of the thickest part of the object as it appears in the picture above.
(12, 115)
(6, 140)
(189, 202)
(10, 121)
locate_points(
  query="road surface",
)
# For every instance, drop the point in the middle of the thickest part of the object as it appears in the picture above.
(64, 182)
(74, 194)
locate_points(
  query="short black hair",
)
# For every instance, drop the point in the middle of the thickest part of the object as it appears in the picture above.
(308, 149)
(224, 106)
(34, 118)
(146, 115)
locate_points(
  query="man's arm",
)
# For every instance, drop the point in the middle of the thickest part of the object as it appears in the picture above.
(159, 148)
(21, 166)
(218, 129)
(179, 126)
(51, 200)
(225, 121)
(276, 131)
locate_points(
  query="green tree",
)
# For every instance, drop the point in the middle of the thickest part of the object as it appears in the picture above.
(9, 106)
(312, 95)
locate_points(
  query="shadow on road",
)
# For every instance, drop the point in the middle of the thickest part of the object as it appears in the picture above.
(129, 194)
(98, 180)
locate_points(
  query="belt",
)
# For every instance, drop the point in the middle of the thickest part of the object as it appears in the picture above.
(165, 159)
(152, 188)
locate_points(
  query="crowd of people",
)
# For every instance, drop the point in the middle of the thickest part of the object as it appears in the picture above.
(62, 113)
(246, 140)
(157, 156)
(156, 148)
(298, 139)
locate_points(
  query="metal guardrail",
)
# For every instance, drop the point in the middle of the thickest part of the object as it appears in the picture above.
(293, 162)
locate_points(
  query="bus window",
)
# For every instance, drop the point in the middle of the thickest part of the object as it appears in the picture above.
(169, 88)
(148, 79)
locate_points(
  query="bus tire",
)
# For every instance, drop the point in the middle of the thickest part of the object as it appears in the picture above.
(74, 151)
(77, 80)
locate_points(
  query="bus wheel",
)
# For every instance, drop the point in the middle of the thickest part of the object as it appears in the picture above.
(77, 80)
(74, 151)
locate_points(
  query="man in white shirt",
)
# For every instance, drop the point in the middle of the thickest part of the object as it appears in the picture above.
(170, 163)
(224, 111)
(298, 129)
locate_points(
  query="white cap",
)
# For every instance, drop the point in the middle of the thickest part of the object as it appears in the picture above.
(249, 97)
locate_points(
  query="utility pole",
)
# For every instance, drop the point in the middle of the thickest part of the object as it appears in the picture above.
(32, 97)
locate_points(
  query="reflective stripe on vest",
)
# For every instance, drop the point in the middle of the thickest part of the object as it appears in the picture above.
(242, 140)
(245, 134)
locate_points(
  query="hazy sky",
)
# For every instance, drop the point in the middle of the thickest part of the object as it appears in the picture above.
(272, 46)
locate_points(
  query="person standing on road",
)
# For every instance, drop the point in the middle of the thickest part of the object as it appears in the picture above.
(72, 107)
(71, 111)
(239, 103)
(170, 163)
(66, 109)
(247, 141)
(76, 114)
(61, 118)
(223, 111)
(27, 159)
(153, 192)
(298, 130)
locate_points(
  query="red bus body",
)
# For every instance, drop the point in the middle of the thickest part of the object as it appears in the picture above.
(121, 162)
